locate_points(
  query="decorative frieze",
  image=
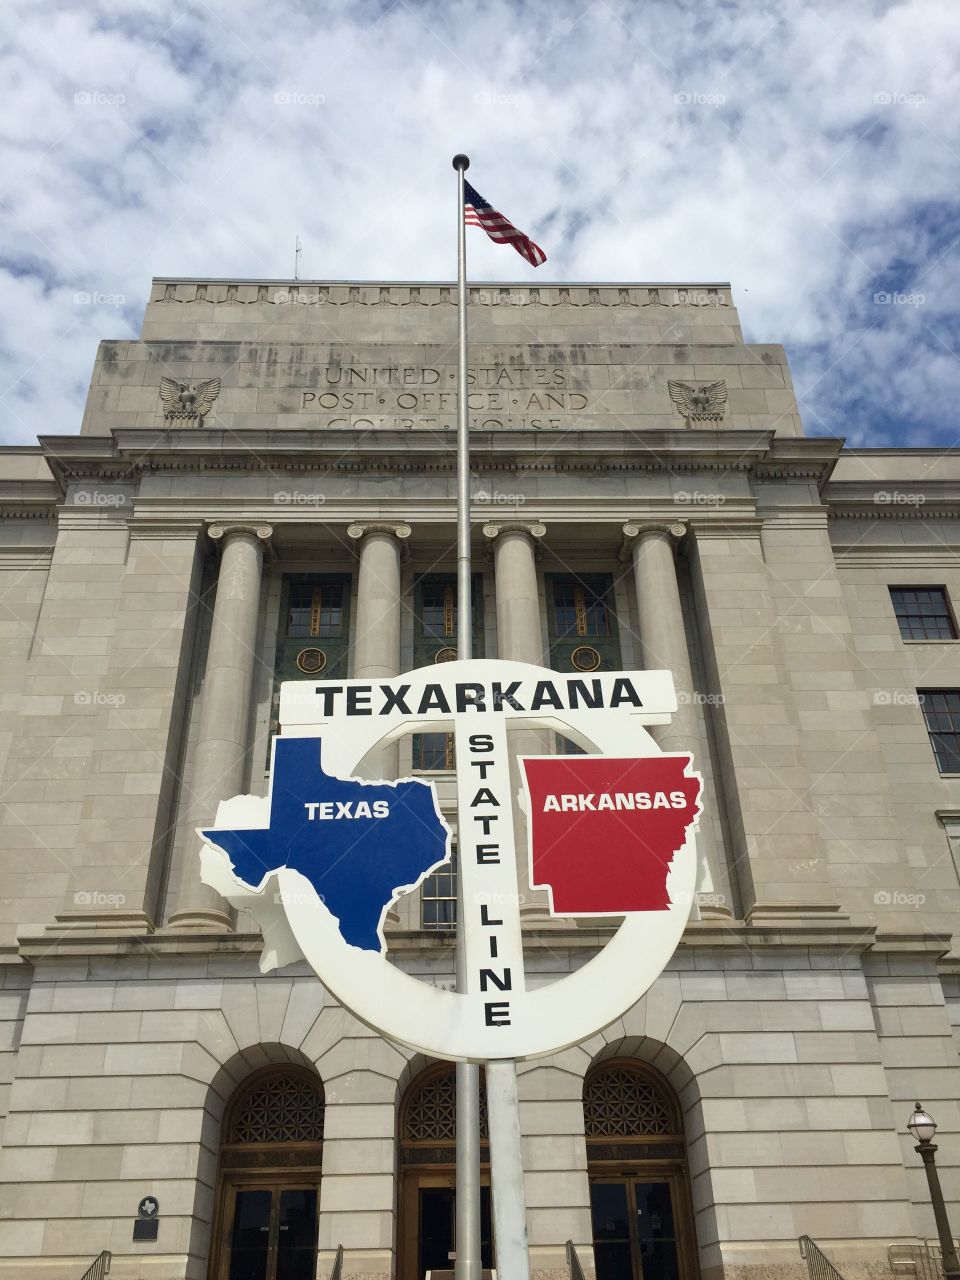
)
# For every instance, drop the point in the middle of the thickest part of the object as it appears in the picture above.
(302, 293)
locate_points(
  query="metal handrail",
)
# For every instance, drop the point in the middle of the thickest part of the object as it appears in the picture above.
(337, 1271)
(923, 1260)
(573, 1262)
(819, 1266)
(100, 1268)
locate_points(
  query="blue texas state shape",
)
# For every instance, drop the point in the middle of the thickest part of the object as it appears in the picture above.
(358, 843)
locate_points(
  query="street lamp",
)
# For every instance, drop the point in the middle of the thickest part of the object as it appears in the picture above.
(923, 1127)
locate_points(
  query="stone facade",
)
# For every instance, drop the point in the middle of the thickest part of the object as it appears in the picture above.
(146, 567)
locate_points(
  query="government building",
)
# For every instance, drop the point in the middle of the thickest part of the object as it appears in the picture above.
(263, 489)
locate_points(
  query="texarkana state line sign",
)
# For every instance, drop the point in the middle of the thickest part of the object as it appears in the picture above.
(320, 861)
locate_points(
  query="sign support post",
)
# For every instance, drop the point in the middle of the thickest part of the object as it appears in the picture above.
(468, 1259)
(503, 1112)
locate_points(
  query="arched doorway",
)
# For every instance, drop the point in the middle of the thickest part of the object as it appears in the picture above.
(639, 1189)
(427, 1154)
(268, 1184)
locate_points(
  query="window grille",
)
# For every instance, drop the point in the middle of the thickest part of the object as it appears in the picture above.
(430, 1115)
(281, 1107)
(623, 1102)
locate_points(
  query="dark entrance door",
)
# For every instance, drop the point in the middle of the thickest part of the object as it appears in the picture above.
(273, 1235)
(437, 1229)
(634, 1229)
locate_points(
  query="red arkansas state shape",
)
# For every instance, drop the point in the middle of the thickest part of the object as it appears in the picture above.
(604, 831)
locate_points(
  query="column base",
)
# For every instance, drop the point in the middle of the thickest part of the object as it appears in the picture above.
(713, 911)
(207, 919)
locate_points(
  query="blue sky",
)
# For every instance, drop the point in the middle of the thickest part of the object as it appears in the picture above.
(807, 152)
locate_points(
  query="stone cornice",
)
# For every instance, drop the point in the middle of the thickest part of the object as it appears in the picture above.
(52, 945)
(129, 453)
(147, 529)
(25, 557)
(29, 499)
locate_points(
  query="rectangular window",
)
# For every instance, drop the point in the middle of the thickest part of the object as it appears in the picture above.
(438, 898)
(582, 622)
(314, 610)
(580, 608)
(941, 711)
(438, 608)
(433, 751)
(435, 640)
(923, 613)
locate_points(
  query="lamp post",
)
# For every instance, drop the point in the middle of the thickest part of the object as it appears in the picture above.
(923, 1127)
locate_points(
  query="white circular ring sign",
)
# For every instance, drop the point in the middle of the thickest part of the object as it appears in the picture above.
(592, 844)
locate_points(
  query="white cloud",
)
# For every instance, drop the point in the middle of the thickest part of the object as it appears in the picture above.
(809, 153)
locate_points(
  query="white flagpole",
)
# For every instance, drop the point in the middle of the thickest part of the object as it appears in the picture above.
(503, 1110)
(468, 1259)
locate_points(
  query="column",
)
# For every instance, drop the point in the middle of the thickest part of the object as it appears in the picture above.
(663, 644)
(376, 647)
(224, 708)
(520, 639)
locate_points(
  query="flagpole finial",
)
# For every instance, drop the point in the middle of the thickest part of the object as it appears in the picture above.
(461, 162)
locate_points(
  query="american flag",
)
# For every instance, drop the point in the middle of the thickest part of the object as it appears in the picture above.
(477, 212)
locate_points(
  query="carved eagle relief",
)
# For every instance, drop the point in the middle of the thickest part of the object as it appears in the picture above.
(183, 402)
(705, 402)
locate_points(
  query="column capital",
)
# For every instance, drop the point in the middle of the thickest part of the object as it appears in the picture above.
(533, 528)
(222, 530)
(398, 529)
(635, 530)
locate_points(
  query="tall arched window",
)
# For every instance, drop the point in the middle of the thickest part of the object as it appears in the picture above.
(269, 1179)
(639, 1190)
(427, 1150)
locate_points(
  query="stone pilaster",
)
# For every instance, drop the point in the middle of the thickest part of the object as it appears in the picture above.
(224, 709)
(376, 646)
(777, 848)
(519, 639)
(663, 643)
